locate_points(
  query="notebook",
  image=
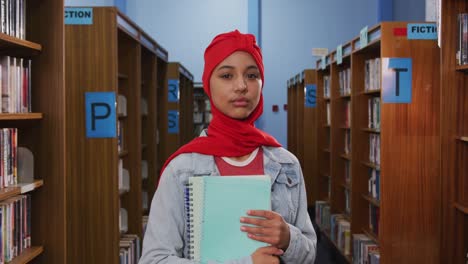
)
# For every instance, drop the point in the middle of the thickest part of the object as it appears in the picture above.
(214, 208)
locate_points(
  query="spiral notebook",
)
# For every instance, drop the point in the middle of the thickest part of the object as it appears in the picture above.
(214, 208)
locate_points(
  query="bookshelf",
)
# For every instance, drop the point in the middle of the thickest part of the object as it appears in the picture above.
(42, 131)
(111, 55)
(324, 129)
(309, 134)
(176, 112)
(454, 133)
(201, 109)
(409, 150)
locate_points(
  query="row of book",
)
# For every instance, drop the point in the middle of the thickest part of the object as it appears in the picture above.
(328, 114)
(326, 86)
(374, 148)
(372, 74)
(347, 195)
(345, 81)
(130, 249)
(347, 170)
(124, 178)
(374, 184)
(347, 114)
(15, 229)
(340, 233)
(374, 216)
(347, 145)
(462, 52)
(13, 18)
(15, 75)
(120, 136)
(8, 157)
(365, 250)
(374, 112)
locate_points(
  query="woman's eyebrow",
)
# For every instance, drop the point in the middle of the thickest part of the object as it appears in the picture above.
(225, 67)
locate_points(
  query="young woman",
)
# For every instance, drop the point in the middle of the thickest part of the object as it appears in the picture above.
(233, 80)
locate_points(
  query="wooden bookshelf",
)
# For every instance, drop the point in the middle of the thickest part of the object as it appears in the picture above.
(170, 141)
(111, 55)
(409, 146)
(44, 130)
(309, 137)
(202, 109)
(324, 135)
(454, 131)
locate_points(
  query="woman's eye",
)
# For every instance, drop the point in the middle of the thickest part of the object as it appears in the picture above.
(252, 76)
(226, 76)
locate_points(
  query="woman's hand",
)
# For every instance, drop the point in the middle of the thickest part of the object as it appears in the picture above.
(269, 227)
(266, 255)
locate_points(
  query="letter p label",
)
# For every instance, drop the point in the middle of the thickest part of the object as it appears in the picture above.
(100, 115)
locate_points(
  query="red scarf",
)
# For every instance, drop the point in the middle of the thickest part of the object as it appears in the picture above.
(228, 137)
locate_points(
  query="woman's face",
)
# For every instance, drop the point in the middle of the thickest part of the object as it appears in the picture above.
(236, 85)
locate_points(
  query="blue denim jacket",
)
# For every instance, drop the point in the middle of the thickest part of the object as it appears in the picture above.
(164, 240)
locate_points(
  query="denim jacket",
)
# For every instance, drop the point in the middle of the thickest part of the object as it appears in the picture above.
(165, 237)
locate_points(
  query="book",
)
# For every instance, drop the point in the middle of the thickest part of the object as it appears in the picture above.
(214, 207)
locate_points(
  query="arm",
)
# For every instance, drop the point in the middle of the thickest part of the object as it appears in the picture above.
(164, 237)
(303, 240)
(298, 238)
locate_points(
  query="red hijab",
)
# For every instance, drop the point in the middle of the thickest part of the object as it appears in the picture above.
(228, 137)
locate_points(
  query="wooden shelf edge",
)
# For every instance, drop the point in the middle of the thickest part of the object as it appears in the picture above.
(463, 68)
(461, 208)
(371, 92)
(371, 130)
(21, 43)
(21, 116)
(27, 255)
(371, 235)
(345, 156)
(20, 188)
(122, 76)
(123, 153)
(371, 165)
(372, 200)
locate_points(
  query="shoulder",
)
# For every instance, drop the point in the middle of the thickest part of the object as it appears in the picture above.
(280, 155)
(193, 163)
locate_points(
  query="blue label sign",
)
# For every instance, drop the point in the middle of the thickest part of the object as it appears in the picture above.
(78, 15)
(100, 115)
(397, 77)
(173, 122)
(339, 54)
(173, 90)
(311, 95)
(363, 37)
(422, 31)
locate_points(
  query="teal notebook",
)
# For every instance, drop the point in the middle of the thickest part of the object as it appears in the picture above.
(214, 208)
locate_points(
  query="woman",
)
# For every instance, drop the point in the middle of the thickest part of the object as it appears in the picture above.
(233, 80)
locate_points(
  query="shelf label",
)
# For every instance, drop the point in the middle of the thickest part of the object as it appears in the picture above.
(173, 94)
(363, 37)
(397, 76)
(422, 31)
(78, 15)
(173, 122)
(100, 115)
(319, 52)
(339, 54)
(311, 95)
